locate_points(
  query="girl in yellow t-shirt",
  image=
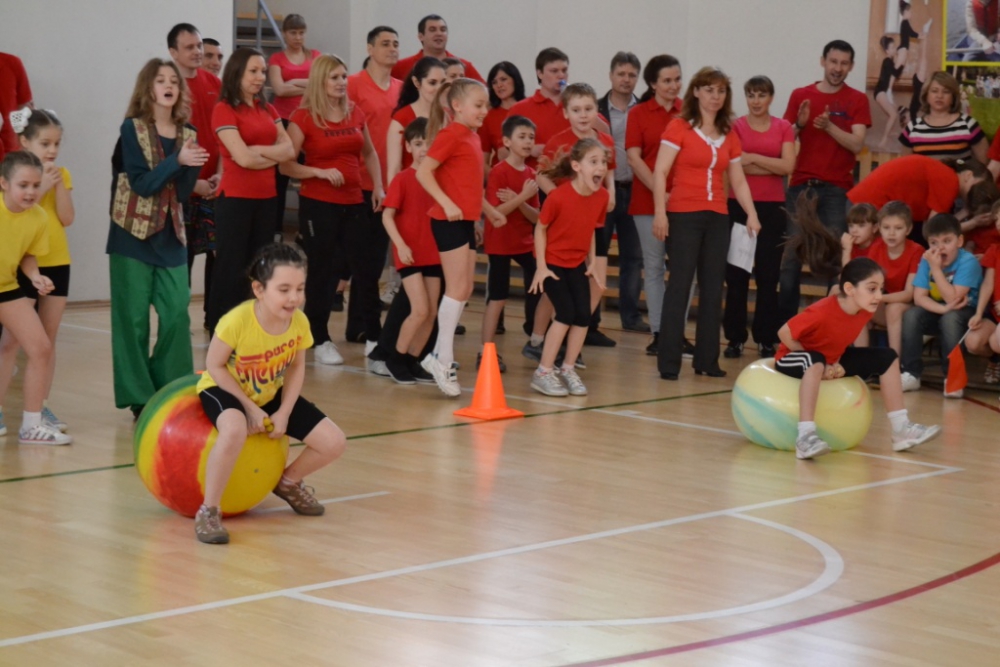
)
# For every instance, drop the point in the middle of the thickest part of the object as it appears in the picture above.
(23, 228)
(40, 133)
(254, 371)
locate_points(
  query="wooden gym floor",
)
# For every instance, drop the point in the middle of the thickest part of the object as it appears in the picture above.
(633, 526)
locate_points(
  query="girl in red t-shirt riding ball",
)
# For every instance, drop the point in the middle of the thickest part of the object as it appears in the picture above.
(815, 347)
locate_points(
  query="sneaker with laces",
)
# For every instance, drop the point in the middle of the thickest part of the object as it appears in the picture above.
(445, 378)
(912, 435)
(50, 418)
(208, 526)
(43, 434)
(579, 364)
(328, 354)
(377, 367)
(548, 383)
(533, 352)
(910, 382)
(810, 445)
(572, 381)
(299, 497)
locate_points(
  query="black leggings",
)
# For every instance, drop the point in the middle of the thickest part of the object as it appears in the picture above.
(242, 227)
(498, 282)
(864, 362)
(570, 295)
(323, 230)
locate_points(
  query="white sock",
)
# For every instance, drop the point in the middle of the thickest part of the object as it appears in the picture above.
(537, 340)
(369, 346)
(898, 419)
(805, 428)
(31, 419)
(543, 370)
(449, 313)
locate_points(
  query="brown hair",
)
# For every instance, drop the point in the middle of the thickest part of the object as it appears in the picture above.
(859, 214)
(232, 77)
(946, 81)
(896, 209)
(293, 22)
(314, 99)
(450, 91)
(814, 244)
(691, 112)
(577, 90)
(561, 166)
(141, 104)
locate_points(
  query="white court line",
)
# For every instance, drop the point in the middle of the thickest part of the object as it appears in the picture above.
(832, 571)
(330, 501)
(83, 328)
(413, 569)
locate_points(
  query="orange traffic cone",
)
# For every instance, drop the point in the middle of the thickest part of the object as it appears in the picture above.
(488, 401)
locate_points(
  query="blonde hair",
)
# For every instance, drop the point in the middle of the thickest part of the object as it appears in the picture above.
(143, 99)
(449, 92)
(315, 98)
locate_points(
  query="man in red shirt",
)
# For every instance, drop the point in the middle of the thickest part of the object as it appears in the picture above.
(544, 108)
(375, 91)
(831, 120)
(432, 31)
(187, 51)
(15, 93)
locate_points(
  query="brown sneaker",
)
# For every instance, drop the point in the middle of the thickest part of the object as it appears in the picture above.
(300, 498)
(208, 526)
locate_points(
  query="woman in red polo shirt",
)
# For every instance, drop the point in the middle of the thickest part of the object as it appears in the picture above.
(646, 122)
(415, 100)
(252, 141)
(334, 138)
(701, 149)
(506, 88)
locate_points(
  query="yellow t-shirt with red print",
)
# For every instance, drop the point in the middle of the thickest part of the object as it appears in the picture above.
(259, 360)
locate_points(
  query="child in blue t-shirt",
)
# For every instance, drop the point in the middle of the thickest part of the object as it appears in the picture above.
(945, 292)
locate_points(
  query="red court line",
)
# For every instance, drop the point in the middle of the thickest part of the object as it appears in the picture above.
(988, 406)
(800, 623)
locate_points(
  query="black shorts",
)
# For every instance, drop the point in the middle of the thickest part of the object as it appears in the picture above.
(570, 295)
(432, 271)
(59, 275)
(864, 362)
(452, 235)
(602, 242)
(11, 295)
(498, 274)
(304, 418)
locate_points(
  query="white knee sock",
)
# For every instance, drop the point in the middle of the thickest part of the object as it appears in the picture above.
(449, 313)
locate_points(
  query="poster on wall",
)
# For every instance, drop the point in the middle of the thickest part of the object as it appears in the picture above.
(905, 46)
(972, 56)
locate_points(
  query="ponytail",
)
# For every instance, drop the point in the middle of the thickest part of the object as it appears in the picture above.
(814, 245)
(561, 166)
(437, 119)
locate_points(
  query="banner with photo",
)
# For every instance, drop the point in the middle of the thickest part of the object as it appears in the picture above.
(972, 55)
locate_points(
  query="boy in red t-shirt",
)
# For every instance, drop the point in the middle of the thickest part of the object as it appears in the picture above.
(512, 189)
(416, 258)
(983, 339)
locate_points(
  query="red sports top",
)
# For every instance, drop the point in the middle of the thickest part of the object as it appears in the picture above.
(404, 117)
(646, 123)
(377, 105)
(257, 127)
(698, 171)
(204, 88)
(991, 260)
(402, 68)
(491, 132)
(412, 202)
(336, 146)
(460, 172)
(899, 269)
(824, 327)
(923, 183)
(570, 219)
(518, 235)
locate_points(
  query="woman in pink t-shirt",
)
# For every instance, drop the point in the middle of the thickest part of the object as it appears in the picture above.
(768, 156)
(288, 74)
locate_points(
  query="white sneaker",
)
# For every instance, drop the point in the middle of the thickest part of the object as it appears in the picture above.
(912, 435)
(958, 393)
(810, 445)
(43, 434)
(446, 378)
(548, 383)
(378, 367)
(910, 382)
(572, 381)
(328, 354)
(50, 418)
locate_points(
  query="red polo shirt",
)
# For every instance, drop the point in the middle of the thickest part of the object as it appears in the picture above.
(402, 68)
(646, 123)
(204, 87)
(545, 114)
(257, 127)
(377, 105)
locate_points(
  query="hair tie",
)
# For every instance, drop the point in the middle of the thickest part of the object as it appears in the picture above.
(19, 119)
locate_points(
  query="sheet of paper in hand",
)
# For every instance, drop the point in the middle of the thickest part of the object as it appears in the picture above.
(741, 248)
